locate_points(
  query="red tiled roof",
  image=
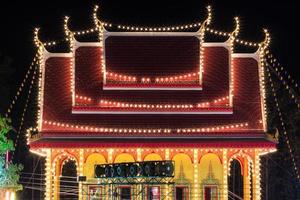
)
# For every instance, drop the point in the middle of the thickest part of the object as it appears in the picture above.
(152, 57)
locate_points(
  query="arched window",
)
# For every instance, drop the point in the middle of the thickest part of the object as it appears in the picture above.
(235, 181)
(68, 188)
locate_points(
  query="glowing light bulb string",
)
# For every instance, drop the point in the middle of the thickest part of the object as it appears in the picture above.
(286, 137)
(19, 130)
(101, 25)
(279, 68)
(275, 69)
(208, 30)
(23, 83)
(292, 94)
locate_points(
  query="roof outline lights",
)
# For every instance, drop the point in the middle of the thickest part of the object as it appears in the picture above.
(231, 40)
(266, 42)
(101, 29)
(98, 23)
(38, 43)
(201, 32)
(41, 61)
(263, 46)
(71, 38)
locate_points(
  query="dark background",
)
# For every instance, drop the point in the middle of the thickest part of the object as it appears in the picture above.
(18, 19)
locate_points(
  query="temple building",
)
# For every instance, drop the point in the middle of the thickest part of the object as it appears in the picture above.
(152, 94)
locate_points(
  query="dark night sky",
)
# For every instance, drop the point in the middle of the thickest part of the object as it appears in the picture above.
(18, 18)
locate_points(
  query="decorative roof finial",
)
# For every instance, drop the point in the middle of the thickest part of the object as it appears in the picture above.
(267, 40)
(97, 22)
(236, 30)
(38, 43)
(201, 32)
(207, 21)
(209, 15)
(67, 30)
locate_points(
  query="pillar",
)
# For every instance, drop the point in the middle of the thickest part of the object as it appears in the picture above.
(224, 190)
(56, 177)
(195, 188)
(246, 179)
(139, 187)
(48, 177)
(80, 173)
(168, 187)
(256, 176)
(107, 188)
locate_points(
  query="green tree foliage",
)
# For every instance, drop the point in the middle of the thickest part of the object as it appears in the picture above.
(9, 176)
(5, 144)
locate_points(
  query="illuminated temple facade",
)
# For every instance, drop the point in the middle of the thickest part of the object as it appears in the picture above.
(142, 94)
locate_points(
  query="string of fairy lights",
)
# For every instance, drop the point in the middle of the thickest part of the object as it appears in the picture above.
(148, 29)
(24, 111)
(285, 134)
(84, 100)
(285, 79)
(283, 76)
(111, 76)
(121, 104)
(77, 127)
(70, 37)
(186, 27)
(21, 87)
(101, 25)
(280, 68)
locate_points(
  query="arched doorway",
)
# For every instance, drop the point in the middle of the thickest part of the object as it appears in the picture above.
(68, 188)
(235, 180)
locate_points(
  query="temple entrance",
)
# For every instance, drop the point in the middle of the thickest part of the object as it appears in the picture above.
(68, 187)
(235, 181)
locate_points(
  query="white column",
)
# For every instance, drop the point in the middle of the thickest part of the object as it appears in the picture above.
(108, 192)
(247, 178)
(80, 173)
(256, 176)
(168, 189)
(195, 189)
(225, 175)
(56, 174)
(139, 187)
(48, 192)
